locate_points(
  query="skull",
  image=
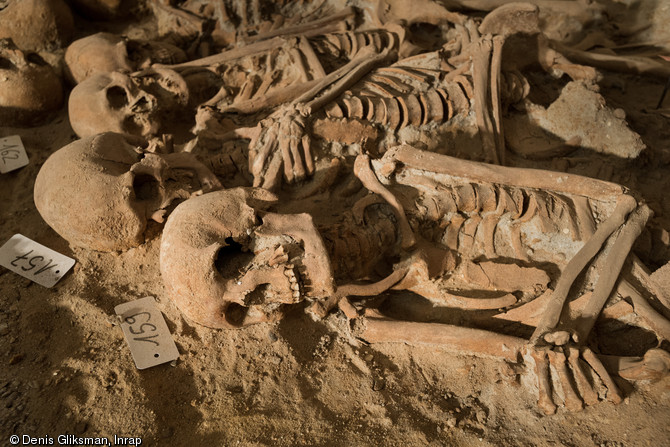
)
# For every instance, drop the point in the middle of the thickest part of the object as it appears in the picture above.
(36, 24)
(100, 192)
(29, 88)
(105, 52)
(226, 262)
(136, 104)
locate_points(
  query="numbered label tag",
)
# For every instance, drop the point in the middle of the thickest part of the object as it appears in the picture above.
(12, 154)
(34, 261)
(147, 334)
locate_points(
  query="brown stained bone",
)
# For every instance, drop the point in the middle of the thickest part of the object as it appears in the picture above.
(371, 182)
(625, 205)
(136, 104)
(486, 173)
(613, 394)
(572, 400)
(453, 338)
(330, 24)
(268, 42)
(640, 66)
(223, 268)
(545, 400)
(37, 24)
(29, 91)
(585, 388)
(282, 145)
(653, 366)
(613, 263)
(106, 52)
(657, 322)
(130, 190)
(337, 82)
(481, 81)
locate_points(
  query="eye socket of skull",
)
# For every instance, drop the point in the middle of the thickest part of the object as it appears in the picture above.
(117, 97)
(105, 102)
(111, 219)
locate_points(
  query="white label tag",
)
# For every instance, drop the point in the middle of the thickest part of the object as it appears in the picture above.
(146, 333)
(34, 261)
(12, 154)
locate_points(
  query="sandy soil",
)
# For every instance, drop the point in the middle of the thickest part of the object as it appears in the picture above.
(65, 367)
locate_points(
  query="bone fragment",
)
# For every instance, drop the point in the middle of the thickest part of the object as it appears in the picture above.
(625, 204)
(234, 54)
(612, 268)
(655, 365)
(345, 77)
(496, 63)
(519, 177)
(453, 338)
(642, 274)
(572, 400)
(315, 67)
(364, 172)
(481, 80)
(655, 320)
(587, 392)
(330, 24)
(545, 401)
(640, 66)
(613, 394)
(271, 100)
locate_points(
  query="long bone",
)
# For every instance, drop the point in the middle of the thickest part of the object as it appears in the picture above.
(487, 344)
(480, 74)
(625, 205)
(269, 42)
(482, 343)
(641, 66)
(614, 261)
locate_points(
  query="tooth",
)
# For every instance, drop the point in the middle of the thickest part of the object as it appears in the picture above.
(292, 278)
(295, 287)
(289, 273)
(296, 294)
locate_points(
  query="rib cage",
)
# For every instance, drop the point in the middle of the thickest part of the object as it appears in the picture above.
(415, 109)
(345, 45)
(356, 249)
(492, 221)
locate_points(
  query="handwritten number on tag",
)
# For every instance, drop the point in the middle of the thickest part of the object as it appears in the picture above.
(9, 154)
(132, 319)
(34, 262)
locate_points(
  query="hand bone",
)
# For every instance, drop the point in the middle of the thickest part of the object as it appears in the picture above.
(569, 363)
(281, 142)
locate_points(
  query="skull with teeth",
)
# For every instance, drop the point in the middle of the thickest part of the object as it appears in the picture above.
(227, 262)
(136, 104)
(131, 187)
(29, 88)
(105, 52)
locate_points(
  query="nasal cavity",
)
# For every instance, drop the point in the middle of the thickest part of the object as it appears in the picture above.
(232, 259)
(146, 187)
(117, 97)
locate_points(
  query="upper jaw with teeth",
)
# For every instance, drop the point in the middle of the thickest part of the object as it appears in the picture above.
(279, 280)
